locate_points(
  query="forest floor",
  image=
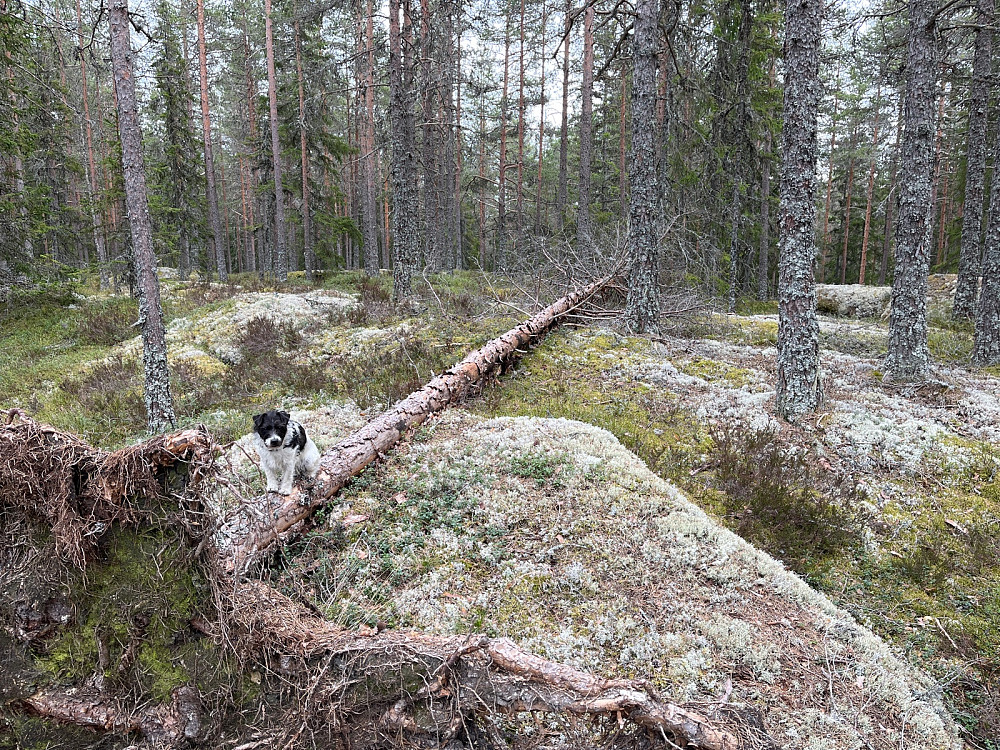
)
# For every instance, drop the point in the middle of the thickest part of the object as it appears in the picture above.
(886, 503)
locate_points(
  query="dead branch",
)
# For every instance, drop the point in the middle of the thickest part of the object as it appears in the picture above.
(254, 530)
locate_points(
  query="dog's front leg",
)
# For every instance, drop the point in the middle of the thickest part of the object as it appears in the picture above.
(287, 475)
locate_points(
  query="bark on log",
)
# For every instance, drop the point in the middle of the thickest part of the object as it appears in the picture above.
(252, 531)
(468, 674)
(163, 725)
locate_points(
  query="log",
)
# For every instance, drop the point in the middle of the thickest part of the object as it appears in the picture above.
(171, 724)
(254, 530)
(464, 675)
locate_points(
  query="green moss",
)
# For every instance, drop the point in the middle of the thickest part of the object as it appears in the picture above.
(949, 345)
(711, 370)
(138, 599)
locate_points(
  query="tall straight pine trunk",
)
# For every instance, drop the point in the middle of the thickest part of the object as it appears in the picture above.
(369, 205)
(908, 357)
(279, 234)
(98, 232)
(405, 200)
(584, 233)
(799, 390)
(871, 187)
(561, 190)
(975, 174)
(307, 246)
(214, 225)
(643, 305)
(159, 404)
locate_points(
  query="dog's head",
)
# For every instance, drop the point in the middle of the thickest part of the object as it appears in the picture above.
(272, 427)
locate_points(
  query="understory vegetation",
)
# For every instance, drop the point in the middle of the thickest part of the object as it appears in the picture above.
(911, 554)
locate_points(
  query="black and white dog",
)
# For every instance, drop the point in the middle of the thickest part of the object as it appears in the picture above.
(285, 450)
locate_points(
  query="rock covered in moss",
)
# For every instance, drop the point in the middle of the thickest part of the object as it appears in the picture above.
(551, 533)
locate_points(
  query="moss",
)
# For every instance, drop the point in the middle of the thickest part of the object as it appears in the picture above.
(139, 598)
(949, 345)
(710, 370)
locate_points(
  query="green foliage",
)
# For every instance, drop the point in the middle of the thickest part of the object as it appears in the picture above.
(774, 498)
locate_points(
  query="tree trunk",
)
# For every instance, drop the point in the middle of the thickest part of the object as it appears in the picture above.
(159, 404)
(871, 187)
(405, 200)
(986, 345)
(520, 128)
(622, 182)
(829, 179)
(798, 389)
(848, 195)
(908, 356)
(642, 309)
(975, 174)
(214, 225)
(501, 240)
(734, 247)
(890, 201)
(278, 242)
(98, 232)
(584, 233)
(541, 129)
(764, 250)
(369, 206)
(561, 191)
(307, 245)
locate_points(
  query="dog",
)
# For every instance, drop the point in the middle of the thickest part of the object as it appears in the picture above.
(285, 450)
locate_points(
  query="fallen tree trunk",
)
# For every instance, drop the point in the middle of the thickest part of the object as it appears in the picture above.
(453, 679)
(254, 530)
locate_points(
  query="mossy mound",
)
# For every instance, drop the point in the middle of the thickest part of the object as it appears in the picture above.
(550, 532)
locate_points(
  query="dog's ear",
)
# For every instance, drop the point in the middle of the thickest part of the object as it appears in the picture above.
(284, 416)
(258, 418)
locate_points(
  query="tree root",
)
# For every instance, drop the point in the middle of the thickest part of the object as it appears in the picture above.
(432, 685)
(171, 724)
(78, 490)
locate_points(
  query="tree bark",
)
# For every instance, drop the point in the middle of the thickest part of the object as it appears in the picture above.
(848, 195)
(975, 176)
(986, 344)
(159, 403)
(887, 235)
(908, 357)
(871, 187)
(214, 225)
(98, 233)
(501, 240)
(369, 205)
(799, 390)
(405, 200)
(278, 240)
(829, 179)
(642, 309)
(541, 128)
(561, 192)
(764, 250)
(584, 231)
(307, 245)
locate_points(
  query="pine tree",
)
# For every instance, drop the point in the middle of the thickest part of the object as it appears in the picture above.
(908, 357)
(799, 390)
(643, 304)
(159, 403)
